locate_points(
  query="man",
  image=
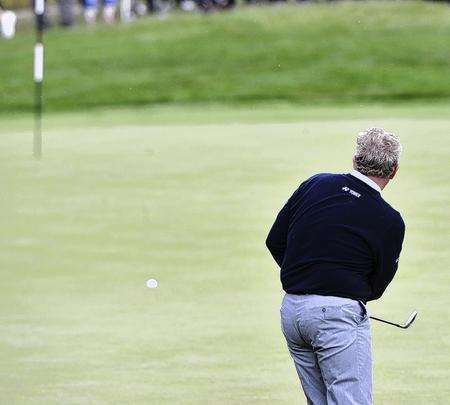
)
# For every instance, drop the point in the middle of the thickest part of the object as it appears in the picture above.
(91, 8)
(338, 244)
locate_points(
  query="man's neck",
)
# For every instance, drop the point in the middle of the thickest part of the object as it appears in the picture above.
(382, 183)
(374, 182)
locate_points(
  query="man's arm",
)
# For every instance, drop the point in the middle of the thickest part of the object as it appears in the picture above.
(277, 238)
(387, 260)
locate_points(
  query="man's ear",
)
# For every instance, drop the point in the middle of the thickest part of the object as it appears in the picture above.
(353, 160)
(394, 172)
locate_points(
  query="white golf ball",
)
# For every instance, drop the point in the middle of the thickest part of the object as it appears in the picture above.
(152, 283)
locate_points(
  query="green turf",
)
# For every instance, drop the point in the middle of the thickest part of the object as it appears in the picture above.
(346, 52)
(112, 205)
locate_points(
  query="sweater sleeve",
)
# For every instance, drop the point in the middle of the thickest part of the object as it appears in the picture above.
(277, 239)
(387, 259)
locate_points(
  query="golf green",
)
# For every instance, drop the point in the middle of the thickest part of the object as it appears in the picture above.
(186, 196)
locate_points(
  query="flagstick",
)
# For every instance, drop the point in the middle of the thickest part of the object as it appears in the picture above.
(39, 7)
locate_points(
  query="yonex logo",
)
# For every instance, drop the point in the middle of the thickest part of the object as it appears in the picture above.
(350, 191)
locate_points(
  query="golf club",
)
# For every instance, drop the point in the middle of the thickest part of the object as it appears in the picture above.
(406, 325)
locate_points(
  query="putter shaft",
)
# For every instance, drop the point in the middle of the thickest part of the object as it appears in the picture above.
(406, 325)
(382, 320)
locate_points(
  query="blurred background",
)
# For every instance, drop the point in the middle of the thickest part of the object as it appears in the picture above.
(172, 132)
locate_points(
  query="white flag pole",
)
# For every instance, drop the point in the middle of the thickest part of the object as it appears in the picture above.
(39, 9)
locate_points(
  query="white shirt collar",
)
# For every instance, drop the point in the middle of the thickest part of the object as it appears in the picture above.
(366, 180)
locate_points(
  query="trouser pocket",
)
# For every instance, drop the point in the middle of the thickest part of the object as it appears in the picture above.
(357, 311)
(363, 306)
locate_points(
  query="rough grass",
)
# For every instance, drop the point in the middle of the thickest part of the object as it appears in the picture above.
(116, 201)
(316, 53)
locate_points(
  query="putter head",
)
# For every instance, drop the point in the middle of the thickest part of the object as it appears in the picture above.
(410, 320)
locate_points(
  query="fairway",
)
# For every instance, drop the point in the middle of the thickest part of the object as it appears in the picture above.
(117, 201)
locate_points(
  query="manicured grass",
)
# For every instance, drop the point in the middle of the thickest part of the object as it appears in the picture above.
(329, 53)
(115, 202)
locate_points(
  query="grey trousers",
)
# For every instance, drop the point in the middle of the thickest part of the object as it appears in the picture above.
(330, 343)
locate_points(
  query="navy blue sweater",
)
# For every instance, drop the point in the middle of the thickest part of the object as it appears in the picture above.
(337, 236)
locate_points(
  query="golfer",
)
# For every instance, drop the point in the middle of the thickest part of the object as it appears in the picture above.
(338, 243)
